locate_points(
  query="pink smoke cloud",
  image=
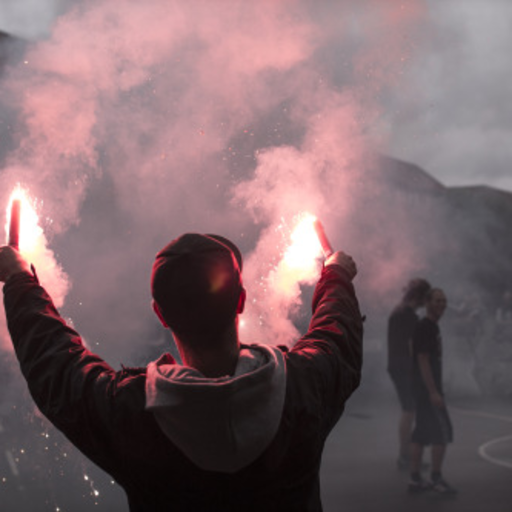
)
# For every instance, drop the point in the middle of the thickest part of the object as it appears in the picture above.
(186, 106)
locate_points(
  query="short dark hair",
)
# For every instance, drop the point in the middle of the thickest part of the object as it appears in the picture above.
(432, 291)
(196, 283)
(417, 289)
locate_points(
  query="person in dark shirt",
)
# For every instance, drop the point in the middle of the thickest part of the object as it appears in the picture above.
(401, 325)
(433, 425)
(236, 427)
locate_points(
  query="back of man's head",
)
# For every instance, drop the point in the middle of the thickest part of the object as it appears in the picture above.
(416, 291)
(196, 283)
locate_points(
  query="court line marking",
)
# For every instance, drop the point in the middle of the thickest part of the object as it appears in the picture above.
(482, 449)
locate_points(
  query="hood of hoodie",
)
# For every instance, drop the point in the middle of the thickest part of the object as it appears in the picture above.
(221, 424)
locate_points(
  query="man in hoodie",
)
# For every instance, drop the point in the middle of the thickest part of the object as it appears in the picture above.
(235, 427)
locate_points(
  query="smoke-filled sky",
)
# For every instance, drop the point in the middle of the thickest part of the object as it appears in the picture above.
(451, 114)
(133, 122)
(454, 118)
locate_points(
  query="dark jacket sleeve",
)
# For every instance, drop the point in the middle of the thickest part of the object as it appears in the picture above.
(332, 347)
(71, 386)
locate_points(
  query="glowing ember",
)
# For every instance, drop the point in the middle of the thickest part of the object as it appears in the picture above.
(30, 231)
(305, 247)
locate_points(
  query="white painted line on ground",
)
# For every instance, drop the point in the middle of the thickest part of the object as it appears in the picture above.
(482, 451)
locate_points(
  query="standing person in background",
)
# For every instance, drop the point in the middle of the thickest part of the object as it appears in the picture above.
(433, 425)
(401, 326)
(236, 427)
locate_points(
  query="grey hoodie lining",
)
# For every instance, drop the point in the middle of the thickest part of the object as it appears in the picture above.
(221, 424)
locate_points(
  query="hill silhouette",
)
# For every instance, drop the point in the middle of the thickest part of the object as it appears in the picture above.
(459, 239)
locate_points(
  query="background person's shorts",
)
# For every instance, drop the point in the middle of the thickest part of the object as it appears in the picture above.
(403, 385)
(433, 425)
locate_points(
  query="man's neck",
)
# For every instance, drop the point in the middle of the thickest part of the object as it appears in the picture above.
(218, 361)
(212, 364)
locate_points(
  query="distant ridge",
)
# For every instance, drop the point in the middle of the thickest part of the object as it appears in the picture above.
(465, 232)
(407, 176)
(407, 224)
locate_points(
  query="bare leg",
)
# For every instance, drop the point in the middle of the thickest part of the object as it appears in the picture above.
(438, 451)
(416, 451)
(404, 433)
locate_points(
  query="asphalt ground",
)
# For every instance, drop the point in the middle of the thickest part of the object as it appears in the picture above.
(359, 472)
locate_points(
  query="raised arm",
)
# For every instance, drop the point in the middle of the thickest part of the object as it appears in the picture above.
(69, 384)
(333, 343)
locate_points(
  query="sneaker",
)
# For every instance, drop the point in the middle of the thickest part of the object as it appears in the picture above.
(442, 487)
(417, 486)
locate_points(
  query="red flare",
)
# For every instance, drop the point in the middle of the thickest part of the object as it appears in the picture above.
(322, 238)
(14, 225)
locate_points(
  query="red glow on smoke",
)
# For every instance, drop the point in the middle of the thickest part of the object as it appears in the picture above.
(299, 263)
(279, 286)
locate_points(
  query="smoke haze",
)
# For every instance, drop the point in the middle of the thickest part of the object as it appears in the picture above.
(132, 122)
(204, 116)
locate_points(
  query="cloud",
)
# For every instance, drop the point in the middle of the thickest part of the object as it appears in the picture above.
(31, 19)
(452, 116)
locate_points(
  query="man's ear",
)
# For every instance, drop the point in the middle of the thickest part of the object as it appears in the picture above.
(156, 309)
(241, 302)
